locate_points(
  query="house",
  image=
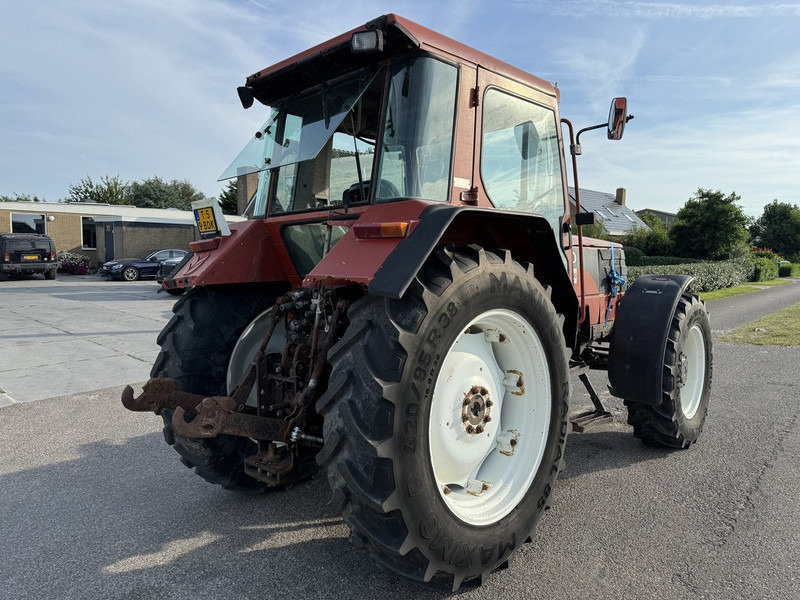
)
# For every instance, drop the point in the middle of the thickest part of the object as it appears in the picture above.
(608, 208)
(102, 231)
(667, 218)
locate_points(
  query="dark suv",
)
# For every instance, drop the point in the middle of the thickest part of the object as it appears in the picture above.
(26, 254)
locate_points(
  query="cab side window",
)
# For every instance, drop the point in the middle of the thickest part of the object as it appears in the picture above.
(520, 158)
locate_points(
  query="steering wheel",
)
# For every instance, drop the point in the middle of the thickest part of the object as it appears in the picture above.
(386, 189)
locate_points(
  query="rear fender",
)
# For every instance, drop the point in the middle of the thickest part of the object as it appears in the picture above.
(529, 238)
(247, 255)
(639, 338)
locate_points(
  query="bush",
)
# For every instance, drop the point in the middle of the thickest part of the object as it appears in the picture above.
(765, 269)
(708, 276)
(634, 257)
(652, 240)
(764, 253)
(72, 263)
(789, 270)
(667, 260)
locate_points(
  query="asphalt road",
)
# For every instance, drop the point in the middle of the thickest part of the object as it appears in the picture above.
(94, 504)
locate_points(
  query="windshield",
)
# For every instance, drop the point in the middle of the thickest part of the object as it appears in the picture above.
(297, 130)
(393, 128)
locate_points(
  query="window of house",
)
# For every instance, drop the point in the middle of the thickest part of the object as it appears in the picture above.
(27, 223)
(520, 158)
(88, 233)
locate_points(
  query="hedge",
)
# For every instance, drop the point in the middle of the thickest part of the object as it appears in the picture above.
(708, 276)
(765, 269)
(789, 270)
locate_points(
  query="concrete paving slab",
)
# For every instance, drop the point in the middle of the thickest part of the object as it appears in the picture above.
(76, 334)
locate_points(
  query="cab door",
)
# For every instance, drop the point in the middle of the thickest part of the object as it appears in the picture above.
(518, 151)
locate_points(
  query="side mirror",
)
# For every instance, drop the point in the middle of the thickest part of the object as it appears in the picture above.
(584, 218)
(617, 117)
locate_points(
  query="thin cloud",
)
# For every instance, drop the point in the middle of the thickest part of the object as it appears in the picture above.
(659, 10)
(599, 67)
(662, 164)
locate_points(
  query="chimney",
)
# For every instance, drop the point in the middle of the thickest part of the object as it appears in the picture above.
(620, 199)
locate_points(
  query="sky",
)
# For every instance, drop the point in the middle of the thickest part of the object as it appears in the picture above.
(144, 88)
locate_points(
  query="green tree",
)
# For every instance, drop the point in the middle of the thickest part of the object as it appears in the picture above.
(779, 228)
(595, 230)
(710, 226)
(157, 193)
(21, 198)
(110, 190)
(229, 199)
(652, 240)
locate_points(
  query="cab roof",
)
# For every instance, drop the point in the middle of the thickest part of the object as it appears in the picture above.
(334, 56)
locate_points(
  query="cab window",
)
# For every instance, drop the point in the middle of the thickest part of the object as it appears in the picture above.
(520, 158)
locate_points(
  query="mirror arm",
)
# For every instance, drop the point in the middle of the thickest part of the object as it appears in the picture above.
(578, 137)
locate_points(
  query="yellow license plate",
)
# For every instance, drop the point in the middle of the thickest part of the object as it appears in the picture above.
(30, 257)
(206, 223)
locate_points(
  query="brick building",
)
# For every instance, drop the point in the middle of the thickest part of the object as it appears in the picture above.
(102, 231)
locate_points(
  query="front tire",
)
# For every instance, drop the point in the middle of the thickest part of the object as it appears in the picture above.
(677, 421)
(446, 417)
(130, 273)
(196, 347)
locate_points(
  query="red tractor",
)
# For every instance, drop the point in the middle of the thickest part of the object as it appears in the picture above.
(407, 304)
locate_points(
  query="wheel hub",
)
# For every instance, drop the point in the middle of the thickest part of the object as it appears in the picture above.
(476, 409)
(683, 369)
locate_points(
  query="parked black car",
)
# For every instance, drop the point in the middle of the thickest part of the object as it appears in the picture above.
(143, 267)
(26, 254)
(166, 270)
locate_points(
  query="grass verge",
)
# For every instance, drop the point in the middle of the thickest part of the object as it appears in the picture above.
(727, 292)
(770, 283)
(744, 288)
(778, 329)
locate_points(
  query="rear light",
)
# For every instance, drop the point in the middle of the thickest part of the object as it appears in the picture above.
(52, 256)
(397, 229)
(7, 257)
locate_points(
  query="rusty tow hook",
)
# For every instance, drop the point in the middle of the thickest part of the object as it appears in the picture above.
(157, 394)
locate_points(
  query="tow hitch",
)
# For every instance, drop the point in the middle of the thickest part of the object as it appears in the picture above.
(196, 416)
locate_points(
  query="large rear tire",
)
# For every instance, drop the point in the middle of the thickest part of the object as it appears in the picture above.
(677, 421)
(196, 347)
(446, 417)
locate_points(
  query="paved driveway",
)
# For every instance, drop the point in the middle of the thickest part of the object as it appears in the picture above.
(94, 504)
(76, 334)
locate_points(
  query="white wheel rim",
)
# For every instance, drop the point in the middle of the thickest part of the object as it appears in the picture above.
(693, 371)
(482, 476)
(246, 347)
